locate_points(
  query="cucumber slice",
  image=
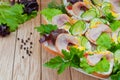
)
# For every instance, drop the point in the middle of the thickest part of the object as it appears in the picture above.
(106, 10)
(105, 4)
(96, 21)
(78, 28)
(97, 2)
(90, 14)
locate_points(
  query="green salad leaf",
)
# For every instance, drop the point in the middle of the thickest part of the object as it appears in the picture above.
(102, 66)
(12, 16)
(104, 41)
(116, 71)
(49, 13)
(46, 29)
(115, 25)
(71, 58)
(55, 5)
(116, 76)
(114, 47)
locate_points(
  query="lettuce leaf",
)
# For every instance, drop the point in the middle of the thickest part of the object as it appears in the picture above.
(54, 4)
(104, 41)
(115, 25)
(12, 16)
(102, 66)
(49, 13)
(46, 29)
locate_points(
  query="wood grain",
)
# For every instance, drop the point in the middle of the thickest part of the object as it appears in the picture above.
(7, 47)
(29, 67)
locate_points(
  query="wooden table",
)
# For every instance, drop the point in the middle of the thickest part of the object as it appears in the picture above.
(15, 64)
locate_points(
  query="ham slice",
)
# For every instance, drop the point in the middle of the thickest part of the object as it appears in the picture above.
(79, 7)
(116, 5)
(63, 40)
(94, 59)
(94, 33)
(60, 20)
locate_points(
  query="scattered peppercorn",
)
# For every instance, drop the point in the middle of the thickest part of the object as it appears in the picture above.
(31, 52)
(22, 41)
(31, 33)
(24, 48)
(21, 46)
(31, 43)
(23, 57)
(18, 39)
(28, 38)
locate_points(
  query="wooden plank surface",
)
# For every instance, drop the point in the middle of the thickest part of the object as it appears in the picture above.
(16, 64)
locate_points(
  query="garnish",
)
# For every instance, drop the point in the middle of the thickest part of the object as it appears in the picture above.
(49, 13)
(46, 29)
(71, 58)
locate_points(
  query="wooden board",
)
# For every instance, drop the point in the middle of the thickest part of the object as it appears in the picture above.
(14, 67)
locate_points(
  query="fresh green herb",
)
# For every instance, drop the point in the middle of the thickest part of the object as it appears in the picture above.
(114, 47)
(55, 5)
(71, 58)
(116, 76)
(46, 29)
(49, 13)
(104, 41)
(102, 66)
(115, 25)
(116, 71)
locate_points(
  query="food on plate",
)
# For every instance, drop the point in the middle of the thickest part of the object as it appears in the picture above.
(84, 35)
(16, 13)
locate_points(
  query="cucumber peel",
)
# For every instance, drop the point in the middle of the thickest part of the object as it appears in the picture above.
(90, 14)
(78, 28)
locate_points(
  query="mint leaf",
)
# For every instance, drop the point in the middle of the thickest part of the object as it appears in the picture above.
(115, 25)
(104, 41)
(50, 13)
(46, 29)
